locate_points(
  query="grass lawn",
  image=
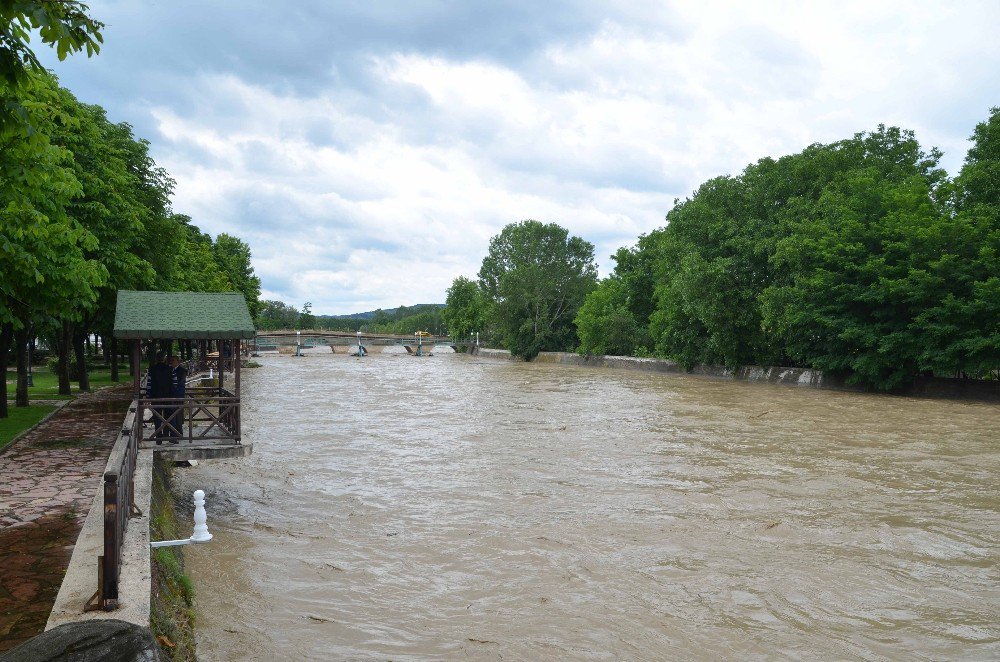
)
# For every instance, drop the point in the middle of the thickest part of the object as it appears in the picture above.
(47, 384)
(19, 420)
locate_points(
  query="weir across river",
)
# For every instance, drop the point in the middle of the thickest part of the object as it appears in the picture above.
(460, 507)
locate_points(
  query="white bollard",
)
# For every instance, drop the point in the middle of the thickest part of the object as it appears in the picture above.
(201, 533)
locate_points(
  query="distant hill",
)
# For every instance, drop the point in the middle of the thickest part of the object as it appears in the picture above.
(392, 313)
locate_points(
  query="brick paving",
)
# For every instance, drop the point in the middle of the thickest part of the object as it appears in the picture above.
(48, 479)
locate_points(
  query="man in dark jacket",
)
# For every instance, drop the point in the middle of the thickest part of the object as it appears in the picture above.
(178, 380)
(159, 387)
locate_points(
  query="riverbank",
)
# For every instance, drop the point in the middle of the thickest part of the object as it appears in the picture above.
(958, 389)
(172, 599)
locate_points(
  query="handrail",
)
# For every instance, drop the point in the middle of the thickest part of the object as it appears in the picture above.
(119, 507)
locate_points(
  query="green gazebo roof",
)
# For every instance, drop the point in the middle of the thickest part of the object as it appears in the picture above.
(182, 315)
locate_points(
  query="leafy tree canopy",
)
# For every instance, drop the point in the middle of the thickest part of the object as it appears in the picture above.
(465, 308)
(535, 277)
(860, 258)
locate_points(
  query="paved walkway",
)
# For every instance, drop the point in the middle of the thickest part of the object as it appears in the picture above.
(48, 479)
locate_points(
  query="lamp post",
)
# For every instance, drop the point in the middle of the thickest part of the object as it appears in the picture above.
(361, 350)
(298, 343)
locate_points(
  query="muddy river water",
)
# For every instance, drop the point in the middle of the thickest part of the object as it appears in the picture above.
(451, 507)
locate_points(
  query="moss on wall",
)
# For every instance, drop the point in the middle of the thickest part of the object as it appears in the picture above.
(172, 613)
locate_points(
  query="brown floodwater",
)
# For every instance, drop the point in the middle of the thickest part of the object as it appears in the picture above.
(450, 507)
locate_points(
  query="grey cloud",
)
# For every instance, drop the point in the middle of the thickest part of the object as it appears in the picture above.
(295, 46)
(762, 63)
(169, 54)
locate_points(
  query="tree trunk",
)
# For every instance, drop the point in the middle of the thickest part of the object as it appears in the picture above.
(65, 338)
(79, 348)
(21, 341)
(6, 335)
(113, 353)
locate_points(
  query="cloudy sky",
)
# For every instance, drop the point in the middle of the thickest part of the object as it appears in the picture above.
(367, 151)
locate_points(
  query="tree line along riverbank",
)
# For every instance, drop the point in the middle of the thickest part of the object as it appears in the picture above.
(84, 212)
(860, 258)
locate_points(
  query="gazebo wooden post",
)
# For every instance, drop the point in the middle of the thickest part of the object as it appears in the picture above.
(236, 366)
(136, 367)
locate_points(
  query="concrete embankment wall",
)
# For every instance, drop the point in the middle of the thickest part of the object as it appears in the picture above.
(965, 389)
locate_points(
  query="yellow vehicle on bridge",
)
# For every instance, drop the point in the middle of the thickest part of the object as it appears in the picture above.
(422, 334)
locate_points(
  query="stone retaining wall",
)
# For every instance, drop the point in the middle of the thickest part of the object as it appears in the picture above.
(964, 389)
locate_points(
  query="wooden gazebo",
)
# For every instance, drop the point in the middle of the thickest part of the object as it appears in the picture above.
(206, 421)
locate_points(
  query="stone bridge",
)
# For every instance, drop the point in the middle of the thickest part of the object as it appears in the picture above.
(313, 338)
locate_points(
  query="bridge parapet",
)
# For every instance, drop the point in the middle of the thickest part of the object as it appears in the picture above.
(289, 338)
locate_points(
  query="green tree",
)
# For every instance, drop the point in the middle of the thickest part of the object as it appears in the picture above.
(63, 24)
(615, 317)
(961, 330)
(232, 255)
(465, 308)
(111, 206)
(194, 267)
(277, 315)
(606, 324)
(856, 263)
(44, 265)
(536, 277)
(306, 319)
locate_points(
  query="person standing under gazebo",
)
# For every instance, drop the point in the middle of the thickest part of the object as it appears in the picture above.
(159, 387)
(178, 380)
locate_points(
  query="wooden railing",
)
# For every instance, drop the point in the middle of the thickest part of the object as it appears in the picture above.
(119, 507)
(205, 412)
